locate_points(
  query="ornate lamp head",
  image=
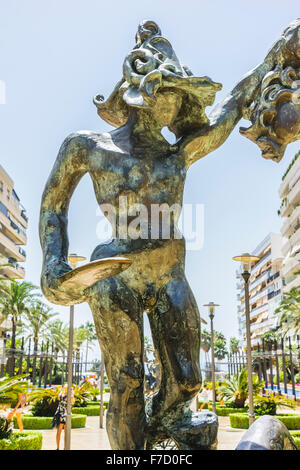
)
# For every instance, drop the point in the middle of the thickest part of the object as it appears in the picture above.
(152, 65)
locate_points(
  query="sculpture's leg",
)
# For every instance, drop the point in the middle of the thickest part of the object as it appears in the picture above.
(119, 324)
(175, 326)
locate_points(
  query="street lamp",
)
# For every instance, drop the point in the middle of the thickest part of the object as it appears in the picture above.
(211, 306)
(73, 260)
(247, 260)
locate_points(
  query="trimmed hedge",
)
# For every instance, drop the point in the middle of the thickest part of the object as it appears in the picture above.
(296, 436)
(44, 422)
(93, 403)
(224, 411)
(90, 410)
(22, 441)
(241, 420)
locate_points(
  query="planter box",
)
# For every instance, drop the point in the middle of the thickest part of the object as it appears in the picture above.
(43, 422)
(22, 441)
(241, 420)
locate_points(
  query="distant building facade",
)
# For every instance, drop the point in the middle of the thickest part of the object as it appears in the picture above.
(289, 192)
(265, 290)
(13, 225)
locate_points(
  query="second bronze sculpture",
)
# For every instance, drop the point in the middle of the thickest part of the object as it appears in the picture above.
(134, 167)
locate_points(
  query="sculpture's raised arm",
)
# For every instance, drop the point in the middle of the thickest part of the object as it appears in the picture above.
(69, 167)
(267, 96)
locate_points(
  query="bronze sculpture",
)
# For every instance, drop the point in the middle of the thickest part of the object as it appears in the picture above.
(135, 163)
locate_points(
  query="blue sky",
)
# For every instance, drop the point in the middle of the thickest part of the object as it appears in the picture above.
(56, 55)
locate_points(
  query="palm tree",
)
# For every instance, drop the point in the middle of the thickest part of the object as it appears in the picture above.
(14, 302)
(234, 345)
(38, 315)
(236, 388)
(11, 387)
(90, 337)
(289, 309)
(58, 332)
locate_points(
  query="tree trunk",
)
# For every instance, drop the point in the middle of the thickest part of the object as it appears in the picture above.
(11, 357)
(35, 347)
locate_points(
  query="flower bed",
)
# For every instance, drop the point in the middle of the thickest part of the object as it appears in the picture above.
(43, 422)
(22, 441)
(241, 420)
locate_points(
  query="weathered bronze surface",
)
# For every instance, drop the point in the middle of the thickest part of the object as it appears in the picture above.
(267, 433)
(134, 163)
(82, 277)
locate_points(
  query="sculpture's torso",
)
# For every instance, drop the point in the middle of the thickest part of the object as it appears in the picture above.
(148, 179)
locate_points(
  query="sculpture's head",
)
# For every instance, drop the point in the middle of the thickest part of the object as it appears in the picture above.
(153, 77)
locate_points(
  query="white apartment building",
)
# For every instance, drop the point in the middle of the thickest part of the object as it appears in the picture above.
(265, 290)
(289, 192)
(13, 226)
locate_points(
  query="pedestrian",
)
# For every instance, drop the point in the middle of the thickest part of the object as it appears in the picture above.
(204, 396)
(59, 419)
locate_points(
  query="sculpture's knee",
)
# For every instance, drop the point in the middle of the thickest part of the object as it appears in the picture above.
(191, 384)
(129, 380)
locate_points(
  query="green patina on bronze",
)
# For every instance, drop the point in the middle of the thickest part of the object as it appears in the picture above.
(135, 161)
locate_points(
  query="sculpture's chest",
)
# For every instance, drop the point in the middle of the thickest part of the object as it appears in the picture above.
(120, 174)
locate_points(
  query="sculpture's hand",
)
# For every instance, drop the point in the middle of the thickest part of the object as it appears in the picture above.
(265, 96)
(275, 109)
(52, 288)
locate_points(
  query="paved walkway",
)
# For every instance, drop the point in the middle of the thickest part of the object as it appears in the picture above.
(93, 438)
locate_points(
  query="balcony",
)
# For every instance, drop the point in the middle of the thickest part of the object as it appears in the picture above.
(10, 249)
(16, 232)
(260, 279)
(261, 262)
(289, 243)
(258, 310)
(15, 209)
(291, 173)
(13, 270)
(290, 266)
(288, 223)
(258, 295)
(290, 201)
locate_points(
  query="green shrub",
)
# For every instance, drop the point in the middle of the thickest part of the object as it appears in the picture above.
(107, 389)
(22, 441)
(241, 420)
(281, 378)
(44, 422)
(45, 407)
(90, 410)
(5, 427)
(225, 411)
(296, 436)
(265, 408)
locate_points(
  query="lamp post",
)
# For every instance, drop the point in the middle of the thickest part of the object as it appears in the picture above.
(211, 306)
(247, 260)
(73, 260)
